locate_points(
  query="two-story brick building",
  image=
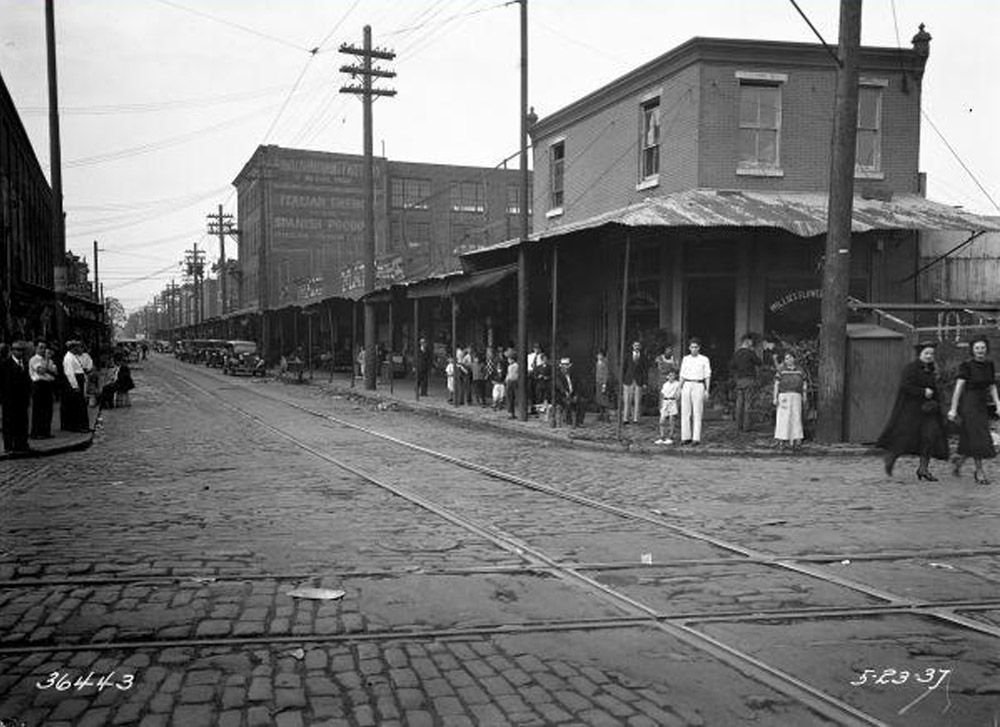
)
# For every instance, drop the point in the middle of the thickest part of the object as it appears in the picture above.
(710, 165)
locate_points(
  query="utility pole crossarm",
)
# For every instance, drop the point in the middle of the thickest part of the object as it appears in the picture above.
(358, 71)
(381, 53)
(370, 92)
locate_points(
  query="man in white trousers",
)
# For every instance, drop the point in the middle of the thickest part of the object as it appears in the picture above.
(696, 381)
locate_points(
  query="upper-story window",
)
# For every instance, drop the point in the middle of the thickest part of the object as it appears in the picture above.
(760, 123)
(557, 160)
(868, 159)
(514, 199)
(467, 197)
(411, 194)
(649, 141)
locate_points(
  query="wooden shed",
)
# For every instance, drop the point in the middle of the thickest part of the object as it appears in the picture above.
(875, 358)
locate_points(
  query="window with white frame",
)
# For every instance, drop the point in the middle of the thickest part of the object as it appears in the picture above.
(868, 157)
(467, 197)
(760, 125)
(557, 160)
(649, 141)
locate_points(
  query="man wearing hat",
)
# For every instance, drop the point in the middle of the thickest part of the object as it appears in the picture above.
(15, 393)
(568, 394)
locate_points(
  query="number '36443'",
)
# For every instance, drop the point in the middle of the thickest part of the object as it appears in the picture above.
(63, 682)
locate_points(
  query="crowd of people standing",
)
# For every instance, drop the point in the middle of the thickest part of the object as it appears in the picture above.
(34, 377)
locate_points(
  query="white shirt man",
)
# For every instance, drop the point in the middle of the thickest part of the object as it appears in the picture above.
(40, 367)
(71, 367)
(696, 380)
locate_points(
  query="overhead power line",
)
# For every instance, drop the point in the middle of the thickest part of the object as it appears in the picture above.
(833, 54)
(237, 26)
(959, 159)
(156, 106)
(161, 144)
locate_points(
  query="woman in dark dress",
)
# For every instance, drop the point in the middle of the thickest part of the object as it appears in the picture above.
(916, 425)
(975, 385)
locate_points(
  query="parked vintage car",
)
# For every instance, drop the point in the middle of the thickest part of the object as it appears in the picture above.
(196, 350)
(242, 358)
(215, 356)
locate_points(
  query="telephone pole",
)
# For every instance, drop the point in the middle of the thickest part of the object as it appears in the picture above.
(97, 280)
(194, 262)
(365, 90)
(55, 170)
(522, 249)
(837, 260)
(222, 225)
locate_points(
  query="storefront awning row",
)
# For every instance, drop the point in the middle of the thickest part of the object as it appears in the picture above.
(801, 213)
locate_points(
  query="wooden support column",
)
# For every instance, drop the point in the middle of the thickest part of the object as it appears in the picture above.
(333, 338)
(454, 326)
(354, 341)
(743, 282)
(677, 296)
(621, 334)
(554, 356)
(416, 349)
(392, 338)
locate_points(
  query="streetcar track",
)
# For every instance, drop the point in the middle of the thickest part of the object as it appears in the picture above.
(789, 563)
(761, 616)
(787, 684)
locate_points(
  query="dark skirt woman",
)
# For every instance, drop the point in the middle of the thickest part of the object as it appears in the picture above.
(974, 438)
(916, 424)
(73, 408)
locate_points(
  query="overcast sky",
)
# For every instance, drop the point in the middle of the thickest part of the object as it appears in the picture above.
(163, 101)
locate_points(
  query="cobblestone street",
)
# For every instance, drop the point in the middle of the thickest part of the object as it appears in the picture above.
(585, 586)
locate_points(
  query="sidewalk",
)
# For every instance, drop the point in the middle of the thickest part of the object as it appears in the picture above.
(719, 436)
(61, 441)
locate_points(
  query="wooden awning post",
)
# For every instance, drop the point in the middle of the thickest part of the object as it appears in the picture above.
(621, 335)
(553, 355)
(416, 349)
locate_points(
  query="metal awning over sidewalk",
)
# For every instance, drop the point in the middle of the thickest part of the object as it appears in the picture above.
(801, 213)
(444, 285)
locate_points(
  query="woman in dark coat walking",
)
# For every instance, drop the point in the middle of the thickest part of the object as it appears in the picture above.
(916, 425)
(975, 386)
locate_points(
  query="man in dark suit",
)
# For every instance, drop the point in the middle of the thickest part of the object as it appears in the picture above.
(15, 391)
(633, 382)
(569, 398)
(425, 359)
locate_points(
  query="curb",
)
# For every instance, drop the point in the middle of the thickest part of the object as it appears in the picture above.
(603, 446)
(78, 445)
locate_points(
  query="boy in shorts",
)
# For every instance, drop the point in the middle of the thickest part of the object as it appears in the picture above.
(670, 393)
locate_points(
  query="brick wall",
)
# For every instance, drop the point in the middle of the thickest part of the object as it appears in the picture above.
(602, 152)
(807, 104)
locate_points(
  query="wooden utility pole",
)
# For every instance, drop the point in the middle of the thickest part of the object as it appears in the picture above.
(365, 90)
(222, 225)
(195, 268)
(55, 163)
(522, 250)
(837, 260)
(97, 279)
